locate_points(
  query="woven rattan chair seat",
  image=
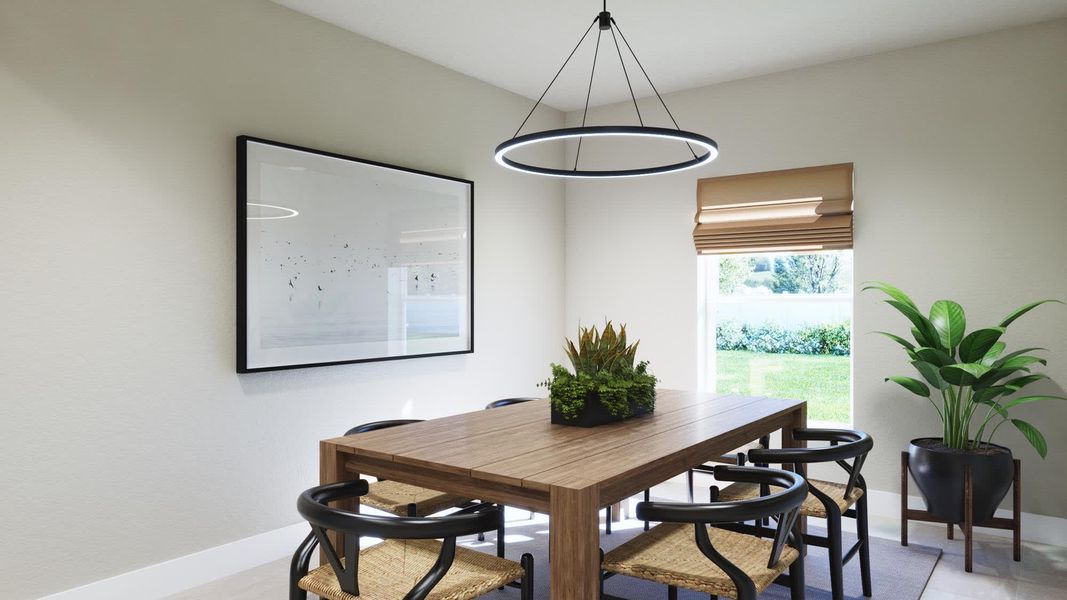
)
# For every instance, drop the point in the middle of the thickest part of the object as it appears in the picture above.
(394, 497)
(388, 571)
(669, 554)
(812, 506)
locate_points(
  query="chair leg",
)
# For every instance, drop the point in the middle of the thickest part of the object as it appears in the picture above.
(607, 520)
(689, 480)
(500, 535)
(833, 530)
(648, 495)
(796, 580)
(951, 531)
(865, 545)
(672, 592)
(526, 591)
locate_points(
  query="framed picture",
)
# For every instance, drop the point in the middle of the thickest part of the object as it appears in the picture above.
(344, 260)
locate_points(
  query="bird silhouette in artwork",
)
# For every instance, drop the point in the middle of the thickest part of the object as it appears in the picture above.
(291, 284)
(320, 288)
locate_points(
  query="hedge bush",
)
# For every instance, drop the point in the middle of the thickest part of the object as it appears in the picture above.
(824, 338)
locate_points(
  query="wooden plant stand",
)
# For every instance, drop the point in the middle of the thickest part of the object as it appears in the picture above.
(968, 524)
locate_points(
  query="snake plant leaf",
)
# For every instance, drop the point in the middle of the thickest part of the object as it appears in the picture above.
(891, 291)
(991, 355)
(1025, 309)
(1032, 435)
(1020, 382)
(976, 344)
(896, 338)
(930, 373)
(924, 331)
(1028, 399)
(935, 356)
(948, 319)
(912, 385)
(963, 373)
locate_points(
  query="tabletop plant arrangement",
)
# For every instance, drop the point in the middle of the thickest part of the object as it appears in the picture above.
(606, 384)
(972, 383)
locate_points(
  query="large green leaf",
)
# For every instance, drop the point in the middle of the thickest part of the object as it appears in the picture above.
(896, 338)
(1032, 435)
(930, 374)
(976, 344)
(1023, 310)
(995, 375)
(927, 335)
(890, 291)
(912, 385)
(1020, 382)
(1028, 399)
(1011, 355)
(1016, 362)
(948, 319)
(992, 354)
(935, 356)
(988, 394)
(963, 373)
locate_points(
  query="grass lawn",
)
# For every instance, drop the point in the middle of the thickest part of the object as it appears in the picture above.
(821, 380)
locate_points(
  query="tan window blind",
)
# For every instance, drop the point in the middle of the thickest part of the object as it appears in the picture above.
(777, 211)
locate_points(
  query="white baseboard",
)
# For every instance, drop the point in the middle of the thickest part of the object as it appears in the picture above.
(185, 572)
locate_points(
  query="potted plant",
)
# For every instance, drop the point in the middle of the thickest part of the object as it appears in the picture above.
(972, 383)
(606, 385)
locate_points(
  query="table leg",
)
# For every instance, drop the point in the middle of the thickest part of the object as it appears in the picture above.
(331, 470)
(616, 512)
(800, 421)
(574, 543)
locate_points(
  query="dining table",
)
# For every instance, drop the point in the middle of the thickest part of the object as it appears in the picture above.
(516, 457)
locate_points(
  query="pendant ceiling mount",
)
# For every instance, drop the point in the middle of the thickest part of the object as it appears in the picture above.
(702, 148)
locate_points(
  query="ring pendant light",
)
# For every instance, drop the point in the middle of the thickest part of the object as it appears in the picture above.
(702, 148)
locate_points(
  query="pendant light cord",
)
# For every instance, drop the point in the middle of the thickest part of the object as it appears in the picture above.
(627, 76)
(588, 93)
(564, 65)
(649, 79)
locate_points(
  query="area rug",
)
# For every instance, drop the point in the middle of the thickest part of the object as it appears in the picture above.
(897, 572)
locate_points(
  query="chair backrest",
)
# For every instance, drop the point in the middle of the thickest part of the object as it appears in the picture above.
(375, 425)
(507, 402)
(845, 445)
(314, 506)
(784, 505)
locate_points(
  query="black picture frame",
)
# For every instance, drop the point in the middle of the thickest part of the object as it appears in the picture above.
(242, 297)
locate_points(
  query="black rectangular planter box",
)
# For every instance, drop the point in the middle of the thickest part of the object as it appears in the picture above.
(594, 413)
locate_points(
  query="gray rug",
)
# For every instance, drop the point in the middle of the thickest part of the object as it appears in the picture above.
(897, 573)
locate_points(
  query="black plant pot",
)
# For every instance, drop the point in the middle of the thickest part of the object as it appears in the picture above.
(594, 413)
(939, 472)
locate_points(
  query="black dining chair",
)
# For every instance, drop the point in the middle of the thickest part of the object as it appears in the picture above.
(827, 500)
(725, 558)
(408, 500)
(415, 549)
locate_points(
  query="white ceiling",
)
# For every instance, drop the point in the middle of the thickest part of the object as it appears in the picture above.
(682, 43)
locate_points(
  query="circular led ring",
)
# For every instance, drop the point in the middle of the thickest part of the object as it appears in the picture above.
(705, 143)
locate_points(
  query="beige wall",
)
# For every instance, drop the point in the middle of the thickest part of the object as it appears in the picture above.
(960, 151)
(126, 438)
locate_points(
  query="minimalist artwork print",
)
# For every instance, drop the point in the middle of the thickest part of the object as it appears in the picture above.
(343, 260)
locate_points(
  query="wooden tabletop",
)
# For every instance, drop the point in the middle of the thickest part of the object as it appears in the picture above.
(517, 445)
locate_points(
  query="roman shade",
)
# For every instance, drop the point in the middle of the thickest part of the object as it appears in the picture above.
(794, 210)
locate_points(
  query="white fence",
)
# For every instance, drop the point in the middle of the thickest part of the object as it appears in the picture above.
(791, 311)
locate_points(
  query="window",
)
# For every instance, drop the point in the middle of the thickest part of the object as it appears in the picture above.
(780, 324)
